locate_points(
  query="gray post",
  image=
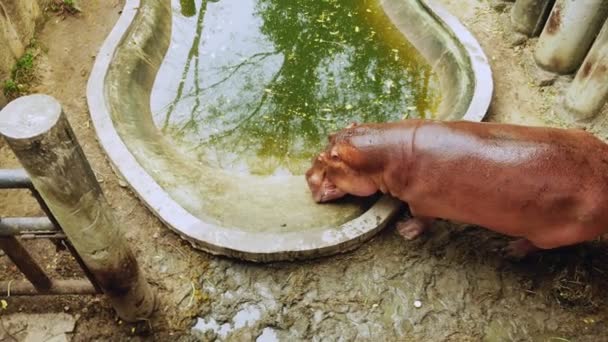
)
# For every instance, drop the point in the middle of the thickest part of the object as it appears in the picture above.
(589, 92)
(39, 134)
(569, 33)
(529, 16)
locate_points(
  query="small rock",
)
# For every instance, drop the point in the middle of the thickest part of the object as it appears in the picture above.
(122, 183)
(66, 308)
(417, 304)
(498, 5)
(517, 39)
(545, 79)
(83, 73)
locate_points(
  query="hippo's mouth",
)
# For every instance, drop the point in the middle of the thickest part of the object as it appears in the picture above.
(330, 193)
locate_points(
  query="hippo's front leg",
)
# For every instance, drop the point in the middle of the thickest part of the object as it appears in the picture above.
(411, 228)
(519, 249)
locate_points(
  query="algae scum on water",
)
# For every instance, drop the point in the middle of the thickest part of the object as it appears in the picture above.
(255, 86)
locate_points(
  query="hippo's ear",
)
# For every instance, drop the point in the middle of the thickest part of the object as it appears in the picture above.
(332, 137)
(349, 155)
(343, 152)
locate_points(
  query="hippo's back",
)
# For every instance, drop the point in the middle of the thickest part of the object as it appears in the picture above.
(505, 176)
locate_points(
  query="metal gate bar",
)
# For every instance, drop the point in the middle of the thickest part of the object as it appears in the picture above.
(36, 228)
(58, 287)
(25, 263)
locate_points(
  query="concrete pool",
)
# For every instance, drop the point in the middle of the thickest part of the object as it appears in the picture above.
(243, 210)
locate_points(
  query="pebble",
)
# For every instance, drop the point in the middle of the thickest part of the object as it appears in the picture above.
(417, 304)
(517, 39)
(498, 5)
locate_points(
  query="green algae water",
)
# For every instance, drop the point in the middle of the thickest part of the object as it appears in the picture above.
(255, 86)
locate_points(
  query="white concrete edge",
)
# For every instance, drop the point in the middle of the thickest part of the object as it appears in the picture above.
(484, 84)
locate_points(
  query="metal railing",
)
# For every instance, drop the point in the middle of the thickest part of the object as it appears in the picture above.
(27, 228)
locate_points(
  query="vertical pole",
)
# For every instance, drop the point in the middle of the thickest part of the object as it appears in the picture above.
(39, 134)
(569, 33)
(529, 16)
(589, 92)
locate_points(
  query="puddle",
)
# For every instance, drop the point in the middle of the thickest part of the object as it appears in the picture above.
(203, 326)
(268, 335)
(246, 317)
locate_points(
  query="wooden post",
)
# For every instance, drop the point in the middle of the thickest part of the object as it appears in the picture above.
(39, 134)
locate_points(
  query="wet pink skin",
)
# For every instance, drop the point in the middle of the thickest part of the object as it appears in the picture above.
(546, 186)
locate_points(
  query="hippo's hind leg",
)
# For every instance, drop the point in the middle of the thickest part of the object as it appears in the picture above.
(413, 227)
(520, 248)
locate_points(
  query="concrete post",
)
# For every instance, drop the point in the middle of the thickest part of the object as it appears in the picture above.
(39, 134)
(529, 16)
(589, 92)
(570, 30)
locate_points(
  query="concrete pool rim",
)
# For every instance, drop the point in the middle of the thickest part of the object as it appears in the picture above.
(249, 245)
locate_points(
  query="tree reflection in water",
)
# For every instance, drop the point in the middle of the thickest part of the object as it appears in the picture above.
(265, 81)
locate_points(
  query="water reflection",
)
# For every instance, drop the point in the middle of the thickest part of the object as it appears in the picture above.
(256, 85)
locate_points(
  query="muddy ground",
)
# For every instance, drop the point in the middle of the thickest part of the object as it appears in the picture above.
(450, 285)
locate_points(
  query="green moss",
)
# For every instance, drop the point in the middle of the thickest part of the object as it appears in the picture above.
(188, 8)
(22, 75)
(10, 89)
(63, 7)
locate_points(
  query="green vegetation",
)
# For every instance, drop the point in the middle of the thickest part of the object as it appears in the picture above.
(22, 75)
(63, 7)
(188, 8)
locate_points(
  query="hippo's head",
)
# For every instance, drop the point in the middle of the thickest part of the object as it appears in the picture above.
(341, 169)
(322, 189)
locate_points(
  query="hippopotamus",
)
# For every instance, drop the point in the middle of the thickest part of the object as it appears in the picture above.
(546, 186)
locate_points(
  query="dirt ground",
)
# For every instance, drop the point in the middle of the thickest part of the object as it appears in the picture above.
(450, 285)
